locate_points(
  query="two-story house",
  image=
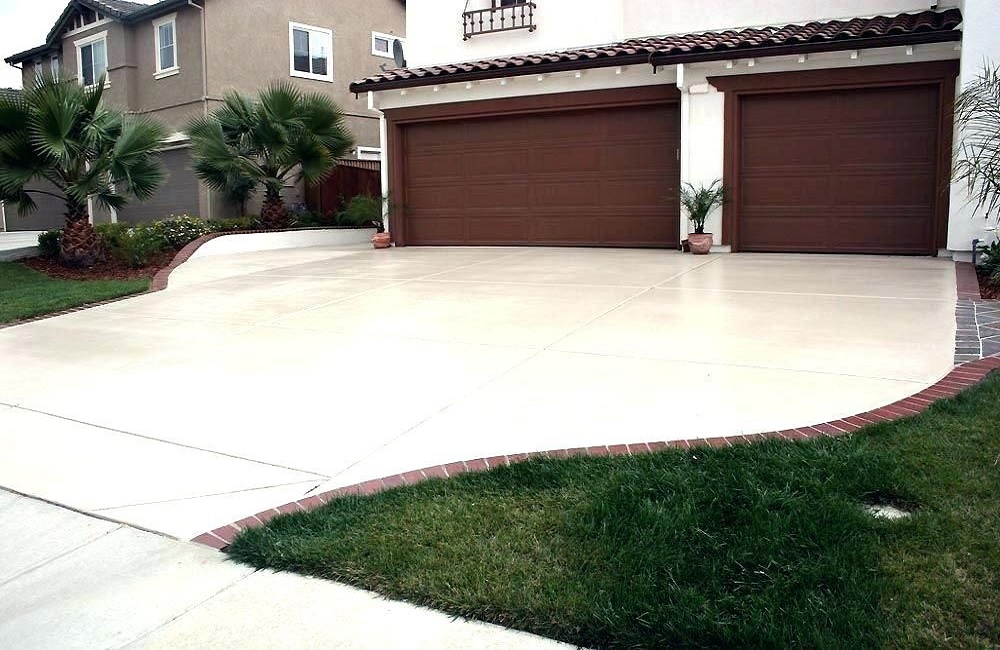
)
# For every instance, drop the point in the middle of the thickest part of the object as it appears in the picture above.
(555, 122)
(175, 59)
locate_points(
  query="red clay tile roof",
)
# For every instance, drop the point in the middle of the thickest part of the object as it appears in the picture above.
(857, 33)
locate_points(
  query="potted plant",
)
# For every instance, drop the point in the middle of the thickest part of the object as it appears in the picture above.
(365, 210)
(699, 202)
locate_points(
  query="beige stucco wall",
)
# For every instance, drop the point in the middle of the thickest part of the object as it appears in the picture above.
(176, 98)
(247, 49)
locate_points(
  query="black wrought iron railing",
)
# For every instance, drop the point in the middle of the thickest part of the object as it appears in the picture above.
(501, 17)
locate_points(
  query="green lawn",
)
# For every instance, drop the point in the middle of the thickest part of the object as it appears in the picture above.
(25, 293)
(760, 545)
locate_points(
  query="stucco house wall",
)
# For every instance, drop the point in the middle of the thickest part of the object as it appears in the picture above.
(435, 37)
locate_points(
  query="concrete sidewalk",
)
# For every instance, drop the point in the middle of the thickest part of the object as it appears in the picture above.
(68, 580)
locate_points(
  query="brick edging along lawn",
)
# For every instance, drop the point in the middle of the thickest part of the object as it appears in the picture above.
(160, 279)
(960, 378)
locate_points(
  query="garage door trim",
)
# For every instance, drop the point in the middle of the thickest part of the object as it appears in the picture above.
(941, 74)
(397, 119)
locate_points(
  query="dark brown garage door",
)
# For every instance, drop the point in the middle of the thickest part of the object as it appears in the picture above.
(846, 171)
(605, 176)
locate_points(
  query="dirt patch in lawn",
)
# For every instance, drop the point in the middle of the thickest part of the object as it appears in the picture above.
(108, 269)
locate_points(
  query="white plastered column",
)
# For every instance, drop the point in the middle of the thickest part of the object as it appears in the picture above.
(702, 141)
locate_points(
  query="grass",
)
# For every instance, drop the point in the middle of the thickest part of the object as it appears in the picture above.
(26, 293)
(761, 545)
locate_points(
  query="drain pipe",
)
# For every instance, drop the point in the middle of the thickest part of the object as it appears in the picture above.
(204, 86)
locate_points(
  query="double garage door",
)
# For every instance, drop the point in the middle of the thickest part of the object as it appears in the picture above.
(844, 171)
(587, 177)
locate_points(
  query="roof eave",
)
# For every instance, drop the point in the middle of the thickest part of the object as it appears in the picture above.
(915, 38)
(28, 55)
(154, 10)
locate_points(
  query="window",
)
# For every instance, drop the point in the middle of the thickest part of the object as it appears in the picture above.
(91, 58)
(165, 37)
(54, 63)
(311, 50)
(368, 153)
(382, 44)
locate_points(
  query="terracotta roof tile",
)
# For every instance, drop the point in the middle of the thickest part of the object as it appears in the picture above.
(881, 31)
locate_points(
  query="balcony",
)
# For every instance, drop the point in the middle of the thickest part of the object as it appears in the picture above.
(502, 16)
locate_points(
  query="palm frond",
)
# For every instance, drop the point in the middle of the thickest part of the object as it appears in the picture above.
(977, 111)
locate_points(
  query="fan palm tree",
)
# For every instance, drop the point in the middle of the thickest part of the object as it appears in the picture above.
(58, 135)
(282, 135)
(978, 113)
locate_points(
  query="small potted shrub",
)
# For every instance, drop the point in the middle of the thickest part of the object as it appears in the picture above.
(365, 210)
(699, 202)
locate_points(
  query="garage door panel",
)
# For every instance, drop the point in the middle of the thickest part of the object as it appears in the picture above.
(863, 180)
(798, 190)
(640, 157)
(567, 159)
(886, 148)
(567, 193)
(890, 105)
(784, 111)
(605, 176)
(892, 189)
(787, 150)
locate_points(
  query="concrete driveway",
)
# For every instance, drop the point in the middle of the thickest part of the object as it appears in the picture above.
(258, 378)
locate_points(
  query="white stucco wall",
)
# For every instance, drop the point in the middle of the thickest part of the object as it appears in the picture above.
(434, 27)
(979, 44)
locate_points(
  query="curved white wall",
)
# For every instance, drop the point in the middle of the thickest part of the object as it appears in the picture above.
(266, 241)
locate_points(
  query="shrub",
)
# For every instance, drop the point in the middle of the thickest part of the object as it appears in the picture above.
(181, 230)
(48, 243)
(233, 223)
(989, 261)
(364, 210)
(134, 246)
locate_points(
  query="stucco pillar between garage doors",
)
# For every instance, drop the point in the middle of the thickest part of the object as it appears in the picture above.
(702, 141)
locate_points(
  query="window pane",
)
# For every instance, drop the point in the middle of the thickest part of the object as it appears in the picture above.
(166, 35)
(100, 59)
(381, 45)
(300, 51)
(87, 64)
(320, 55)
(167, 59)
(55, 68)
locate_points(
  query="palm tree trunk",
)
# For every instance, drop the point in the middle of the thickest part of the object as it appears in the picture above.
(273, 213)
(79, 246)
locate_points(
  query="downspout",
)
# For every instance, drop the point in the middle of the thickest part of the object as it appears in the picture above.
(204, 85)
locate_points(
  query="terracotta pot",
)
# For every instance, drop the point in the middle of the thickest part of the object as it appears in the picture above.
(700, 243)
(380, 240)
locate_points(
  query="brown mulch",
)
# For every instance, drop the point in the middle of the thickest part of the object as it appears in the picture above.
(987, 289)
(109, 269)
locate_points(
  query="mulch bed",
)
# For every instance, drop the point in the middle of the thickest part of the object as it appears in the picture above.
(109, 269)
(988, 290)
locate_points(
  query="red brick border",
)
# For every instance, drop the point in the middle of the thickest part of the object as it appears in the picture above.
(160, 279)
(967, 281)
(960, 378)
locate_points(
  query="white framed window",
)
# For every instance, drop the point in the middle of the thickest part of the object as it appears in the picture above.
(368, 153)
(92, 58)
(310, 52)
(54, 67)
(165, 41)
(382, 44)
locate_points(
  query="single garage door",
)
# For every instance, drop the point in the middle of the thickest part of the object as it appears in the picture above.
(599, 177)
(178, 195)
(845, 171)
